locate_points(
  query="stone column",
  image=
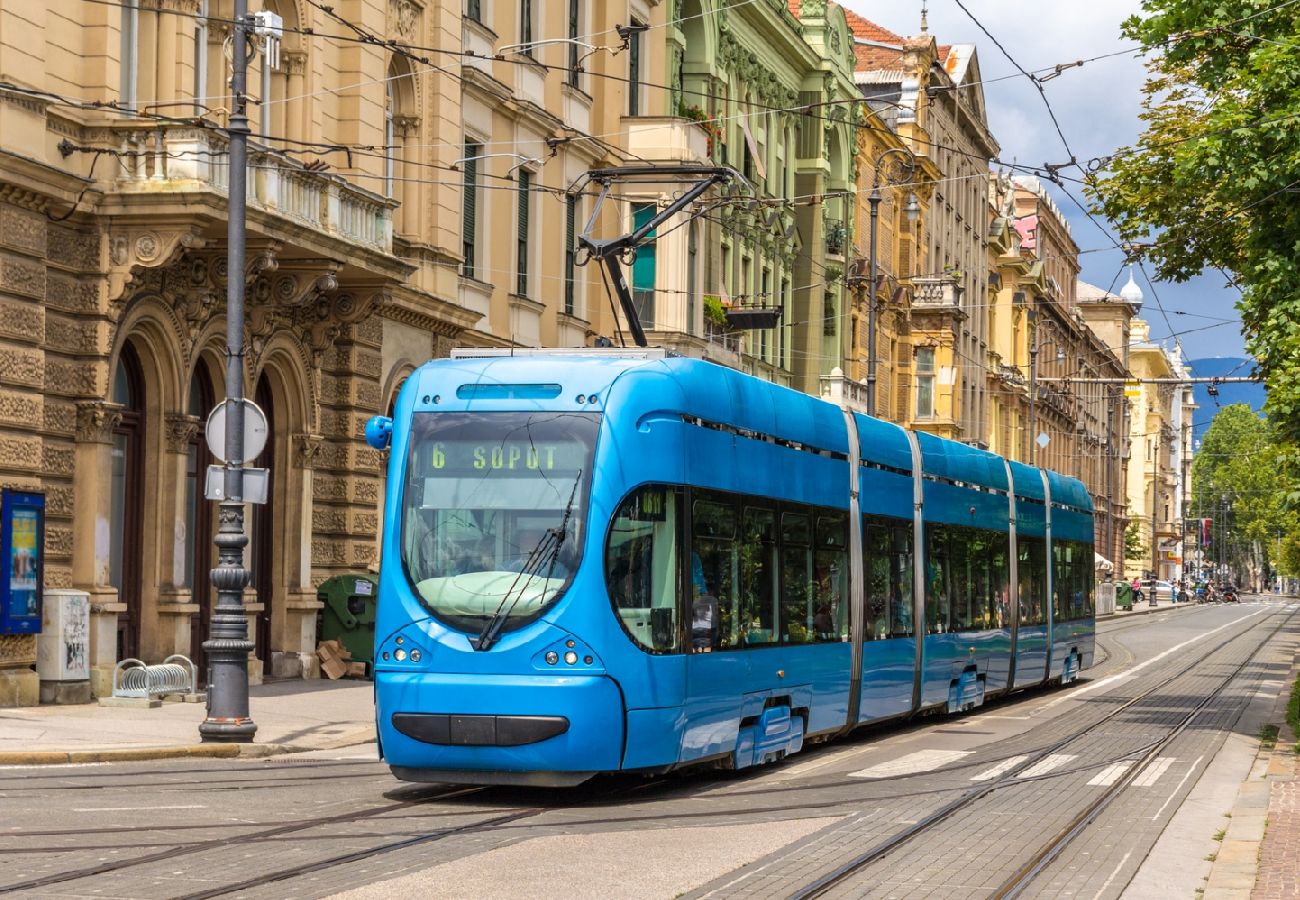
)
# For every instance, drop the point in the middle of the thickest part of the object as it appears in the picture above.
(92, 486)
(175, 596)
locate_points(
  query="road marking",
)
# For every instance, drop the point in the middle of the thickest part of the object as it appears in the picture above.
(132, 808)
(1000, 768)
(1153, 773)
(1111, 774)
(59, 766)
(1112, 875)
(1055, 761)
(1196, 762)
(1124, 676)
(913, 763)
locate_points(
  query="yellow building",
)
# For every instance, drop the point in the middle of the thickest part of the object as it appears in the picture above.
(1159, 468)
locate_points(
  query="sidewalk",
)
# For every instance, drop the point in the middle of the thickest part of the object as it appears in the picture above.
(291, 716)
(1258, 857)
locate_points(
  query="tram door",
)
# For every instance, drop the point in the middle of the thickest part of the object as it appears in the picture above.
(127, 489)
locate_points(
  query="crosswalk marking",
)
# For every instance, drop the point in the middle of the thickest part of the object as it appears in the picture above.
(1055, 761)
(1004, 766)
(921, 761)
(1152, 774)
(1111, 774)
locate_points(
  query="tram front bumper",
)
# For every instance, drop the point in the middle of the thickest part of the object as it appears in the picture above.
(499, 729)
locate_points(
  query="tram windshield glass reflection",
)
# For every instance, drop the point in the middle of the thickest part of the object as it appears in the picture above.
(493, 509)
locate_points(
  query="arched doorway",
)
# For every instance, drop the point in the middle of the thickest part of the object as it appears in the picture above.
(262, 543)
(199, 550)
(126, 532)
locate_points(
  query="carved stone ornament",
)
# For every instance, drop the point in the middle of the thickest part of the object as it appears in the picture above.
(403, 16)
(307, 449)
(96, 420)
(134, 251)
(181, 430)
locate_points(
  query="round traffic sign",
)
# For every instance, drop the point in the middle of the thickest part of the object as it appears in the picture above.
(254, 430)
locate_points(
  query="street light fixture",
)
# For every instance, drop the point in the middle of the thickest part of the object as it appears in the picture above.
(905, 164)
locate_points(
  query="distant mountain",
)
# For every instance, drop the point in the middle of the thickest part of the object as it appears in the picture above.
(1243, 392)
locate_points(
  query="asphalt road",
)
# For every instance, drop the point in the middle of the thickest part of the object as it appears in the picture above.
(1075, 792)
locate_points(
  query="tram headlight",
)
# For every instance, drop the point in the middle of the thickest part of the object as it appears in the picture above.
(415, 656)
(570, 657)
(552, 657)
(399, 654)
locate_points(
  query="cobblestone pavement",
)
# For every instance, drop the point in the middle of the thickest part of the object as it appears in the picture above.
(320, 824)
(1279, 854)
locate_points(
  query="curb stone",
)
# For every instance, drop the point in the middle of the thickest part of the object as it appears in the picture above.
(186, 751)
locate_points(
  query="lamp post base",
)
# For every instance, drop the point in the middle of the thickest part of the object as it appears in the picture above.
(227, 731)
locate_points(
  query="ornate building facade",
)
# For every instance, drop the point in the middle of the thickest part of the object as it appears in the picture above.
(363, 163)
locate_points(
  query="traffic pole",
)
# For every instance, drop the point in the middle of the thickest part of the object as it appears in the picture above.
(228, 718)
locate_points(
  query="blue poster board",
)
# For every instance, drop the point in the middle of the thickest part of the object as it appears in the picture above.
(22, 562)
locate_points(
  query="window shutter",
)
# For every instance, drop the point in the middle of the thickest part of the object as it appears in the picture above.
(570, 238)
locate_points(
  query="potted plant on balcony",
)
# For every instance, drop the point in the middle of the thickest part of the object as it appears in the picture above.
(712, 130)
(835, 235)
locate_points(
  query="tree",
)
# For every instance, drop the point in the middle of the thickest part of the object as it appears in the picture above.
(1242, 479)
(1214, 180)
(1134, 546)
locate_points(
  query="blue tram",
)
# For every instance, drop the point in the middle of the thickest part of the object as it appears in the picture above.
(623, 560)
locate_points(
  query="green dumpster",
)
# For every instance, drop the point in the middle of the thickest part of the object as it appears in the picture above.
(1124, 595)
(348, 615)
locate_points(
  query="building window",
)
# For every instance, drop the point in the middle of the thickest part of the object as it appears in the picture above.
(201, 59)
(634, 72)
(469, 212)
(925, 382)
(474, 10)
(574, 15)
(521, 252)
(130, 63)
(526, 26)
(570, 240)
(643, 268)
(390, 134)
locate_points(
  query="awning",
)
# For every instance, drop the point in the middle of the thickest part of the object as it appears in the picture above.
(1102, 563)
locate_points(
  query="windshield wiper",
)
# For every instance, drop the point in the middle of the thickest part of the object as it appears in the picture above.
(545, 554)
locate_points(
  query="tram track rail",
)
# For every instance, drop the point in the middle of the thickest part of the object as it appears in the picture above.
(1024, 874)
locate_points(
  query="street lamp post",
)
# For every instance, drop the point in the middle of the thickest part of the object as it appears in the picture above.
(1155, 505)
(907, 165)
(228, 718)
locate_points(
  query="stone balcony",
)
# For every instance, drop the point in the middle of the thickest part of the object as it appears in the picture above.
(667, 139)
(187, 160)
(843, 391)
(937, 294)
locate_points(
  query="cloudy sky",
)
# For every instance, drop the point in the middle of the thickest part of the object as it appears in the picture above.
(1097, 106)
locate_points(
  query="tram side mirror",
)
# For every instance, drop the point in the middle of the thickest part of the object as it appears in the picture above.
(379, 432)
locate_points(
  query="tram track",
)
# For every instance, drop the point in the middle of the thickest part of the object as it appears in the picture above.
(1016, 883)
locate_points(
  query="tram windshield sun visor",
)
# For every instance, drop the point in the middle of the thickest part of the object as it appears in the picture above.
(493, 512)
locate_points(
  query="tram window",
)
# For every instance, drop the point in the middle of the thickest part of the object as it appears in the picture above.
(887, 571)
(999, 551)
(642, 566)
(1032, 575)
(938, 587)
(715, 566)
(759, 589)
(830, 603)
(796, 576)
(963, 560)
(1072, 580)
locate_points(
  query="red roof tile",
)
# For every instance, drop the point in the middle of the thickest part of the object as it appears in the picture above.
(869, 31)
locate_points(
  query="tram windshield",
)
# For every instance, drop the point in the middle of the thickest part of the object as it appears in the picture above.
(493, 512)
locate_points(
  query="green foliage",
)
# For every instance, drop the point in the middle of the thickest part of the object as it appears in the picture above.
(1242, 459)
(1134, 546)
(1293, 710)
(714, 312)
(1212, 181)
